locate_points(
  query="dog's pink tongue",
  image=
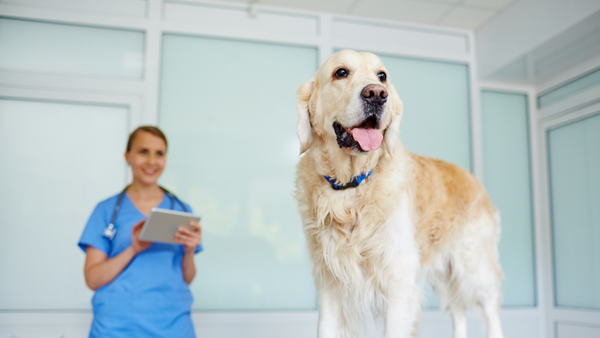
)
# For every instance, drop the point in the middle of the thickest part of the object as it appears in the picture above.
(368, 138)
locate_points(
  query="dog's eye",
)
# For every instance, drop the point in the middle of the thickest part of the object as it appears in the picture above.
(382, 77)
(340, 73)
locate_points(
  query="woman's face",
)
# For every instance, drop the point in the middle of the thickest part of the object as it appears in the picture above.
(147, 158)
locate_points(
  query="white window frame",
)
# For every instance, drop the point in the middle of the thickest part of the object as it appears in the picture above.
(538, 312)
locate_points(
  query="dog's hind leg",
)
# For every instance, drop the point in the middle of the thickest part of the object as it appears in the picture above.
(469, 278)
(448, 291)
(490, 311)
(474, 284)
(490, 273)
(475, 274)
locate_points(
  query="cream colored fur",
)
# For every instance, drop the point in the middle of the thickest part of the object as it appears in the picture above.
(415, 215)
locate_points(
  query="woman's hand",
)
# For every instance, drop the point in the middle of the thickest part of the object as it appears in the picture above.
(189, 238)
(137, 245)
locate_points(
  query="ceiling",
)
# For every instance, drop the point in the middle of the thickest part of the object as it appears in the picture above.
(466, 14)
(573, 46)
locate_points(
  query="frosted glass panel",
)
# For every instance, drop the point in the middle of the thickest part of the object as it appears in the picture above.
(76, 50)
(129, 8)
(58, 161)
(436, 119)
(570, 89)
(576, 330)
(574, 160)
(229, 111)
(507, 180)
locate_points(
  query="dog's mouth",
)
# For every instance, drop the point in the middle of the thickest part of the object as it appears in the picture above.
(363, 137)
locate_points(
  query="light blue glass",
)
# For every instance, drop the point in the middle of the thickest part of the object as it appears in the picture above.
(569, 89)
(58, 161)
(574, 160)
(507, 176)
(228, 109)
(75, 50)
(436, 118)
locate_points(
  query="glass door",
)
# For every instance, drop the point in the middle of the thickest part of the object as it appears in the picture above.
(573, 150)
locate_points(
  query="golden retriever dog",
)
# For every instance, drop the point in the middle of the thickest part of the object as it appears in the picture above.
(377, 217)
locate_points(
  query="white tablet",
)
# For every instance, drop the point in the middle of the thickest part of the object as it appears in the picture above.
(162, 224)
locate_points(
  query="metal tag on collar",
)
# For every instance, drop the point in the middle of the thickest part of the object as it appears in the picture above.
(109, 232)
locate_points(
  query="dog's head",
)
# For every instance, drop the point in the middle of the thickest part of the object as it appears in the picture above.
(350, 103)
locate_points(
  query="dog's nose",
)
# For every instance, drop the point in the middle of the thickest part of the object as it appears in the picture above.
(374, 93)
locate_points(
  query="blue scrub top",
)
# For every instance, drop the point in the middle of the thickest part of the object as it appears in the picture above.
(149, 298)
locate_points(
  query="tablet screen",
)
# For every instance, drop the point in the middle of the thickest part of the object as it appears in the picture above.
(162, 224)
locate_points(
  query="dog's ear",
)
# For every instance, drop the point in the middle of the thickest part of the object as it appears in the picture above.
(305, 133)
(393, 130)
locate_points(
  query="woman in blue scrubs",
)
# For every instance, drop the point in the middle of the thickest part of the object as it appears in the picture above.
(141, 287)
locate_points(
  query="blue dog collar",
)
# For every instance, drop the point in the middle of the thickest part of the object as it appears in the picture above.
(354, 182)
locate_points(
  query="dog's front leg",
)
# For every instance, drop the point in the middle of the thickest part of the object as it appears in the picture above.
(403, 307)
(402, 313)
(331, 320)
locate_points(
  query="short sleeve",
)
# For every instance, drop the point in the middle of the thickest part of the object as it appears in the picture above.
(199, 247)
(92, 234)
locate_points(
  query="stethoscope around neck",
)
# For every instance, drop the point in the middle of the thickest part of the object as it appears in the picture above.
(110, 231)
